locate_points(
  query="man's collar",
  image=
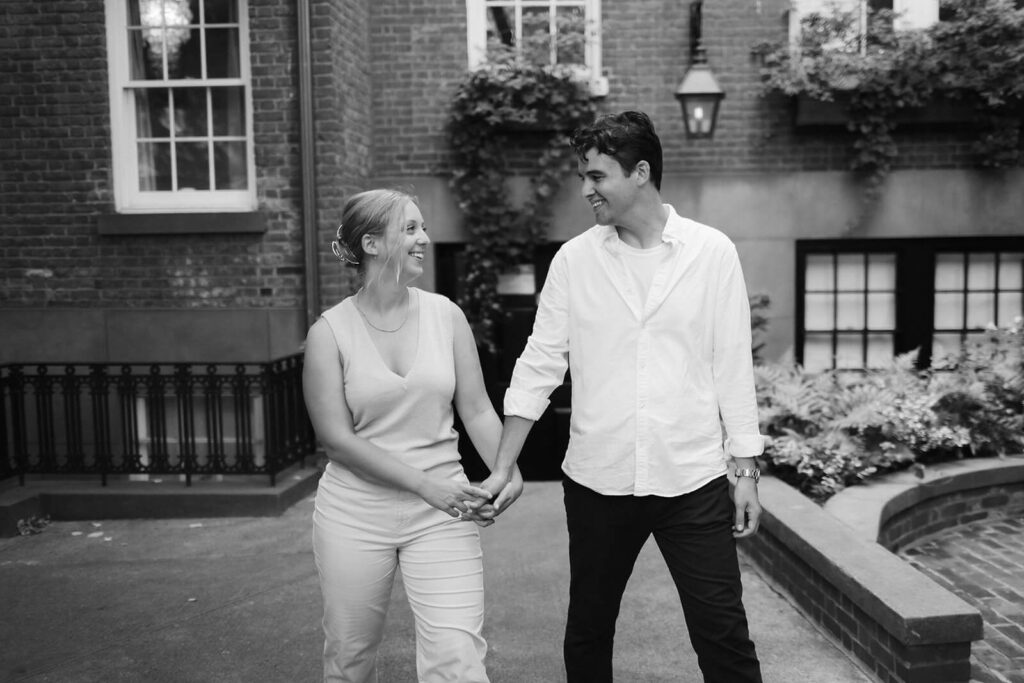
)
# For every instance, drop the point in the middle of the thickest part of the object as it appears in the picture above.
(674, 232)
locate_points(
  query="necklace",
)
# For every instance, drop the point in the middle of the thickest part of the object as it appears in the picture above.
(408, 305)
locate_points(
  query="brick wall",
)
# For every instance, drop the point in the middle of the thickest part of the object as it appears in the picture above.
(950, 510)
(898, 623)
(418, 54)
(342, 87)
(56, 177)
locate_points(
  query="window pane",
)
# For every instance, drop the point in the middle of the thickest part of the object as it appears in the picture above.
(151, 113)
(190, 112)
(880, 350)
(882, 272)
(145, 49)
(193, 162)
(154, 166)
(1011, 307)
(501, 26)
(819, 311)
(220, 11)
(819, 273)
(944, 344)
(949, 272)
(537, 35)
(949, 311)
(184, 53)
(817, 352)
(851, 272)
(881, 311)
(570, 35)
(228, 111)
(229, 165)
(981, 271)
(1010, 276)
(850, 311)
(981, 309)
(222, 53)
(849, 352)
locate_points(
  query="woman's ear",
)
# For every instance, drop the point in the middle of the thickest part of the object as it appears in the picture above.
(369, 245)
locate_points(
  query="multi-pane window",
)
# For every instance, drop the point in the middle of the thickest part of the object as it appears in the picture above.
(180, 105)
(974, 291)
(861, 301)
(545, 32)
(849, 310)
(907, 15)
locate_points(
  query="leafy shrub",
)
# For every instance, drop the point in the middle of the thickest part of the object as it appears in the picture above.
(834, 429)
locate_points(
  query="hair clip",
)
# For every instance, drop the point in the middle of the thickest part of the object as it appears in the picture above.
(342, 250)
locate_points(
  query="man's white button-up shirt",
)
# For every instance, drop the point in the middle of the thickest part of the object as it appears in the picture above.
(649, 378)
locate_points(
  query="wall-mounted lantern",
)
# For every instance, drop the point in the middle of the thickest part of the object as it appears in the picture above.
(699, 92)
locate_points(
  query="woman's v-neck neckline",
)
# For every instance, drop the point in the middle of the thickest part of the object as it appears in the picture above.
(364, 325)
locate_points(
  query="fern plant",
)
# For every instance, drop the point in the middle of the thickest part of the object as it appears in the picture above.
(835, 429)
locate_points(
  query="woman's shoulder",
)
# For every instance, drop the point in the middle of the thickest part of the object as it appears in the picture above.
(435, 301)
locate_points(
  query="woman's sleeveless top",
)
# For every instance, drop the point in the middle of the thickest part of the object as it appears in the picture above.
(411, 416)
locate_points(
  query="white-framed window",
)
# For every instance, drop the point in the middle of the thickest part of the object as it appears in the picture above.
(181, 105)
(565, 32)
(908, 14)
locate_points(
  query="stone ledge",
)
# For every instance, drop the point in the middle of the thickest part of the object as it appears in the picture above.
(897, 622)
(868, 509)
(81, 499)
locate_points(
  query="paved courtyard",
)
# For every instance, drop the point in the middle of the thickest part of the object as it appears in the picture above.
(983, 563)
(237, 599)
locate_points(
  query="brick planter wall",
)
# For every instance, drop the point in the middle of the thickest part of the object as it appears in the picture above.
(898, 623)
(951, 501)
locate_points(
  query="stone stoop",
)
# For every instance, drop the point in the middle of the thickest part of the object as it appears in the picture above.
(158, 497)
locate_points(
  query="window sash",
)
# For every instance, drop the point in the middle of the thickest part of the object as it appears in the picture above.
(476, 32)
(188, 165)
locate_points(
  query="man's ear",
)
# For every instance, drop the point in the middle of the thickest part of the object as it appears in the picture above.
(642, 170)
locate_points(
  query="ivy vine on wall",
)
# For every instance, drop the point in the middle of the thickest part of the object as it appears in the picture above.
(975, 55)
(508, 106)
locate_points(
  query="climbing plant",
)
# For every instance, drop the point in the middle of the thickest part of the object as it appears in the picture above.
(975, 54)
(510, 107)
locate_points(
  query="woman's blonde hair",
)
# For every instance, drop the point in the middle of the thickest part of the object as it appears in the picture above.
(369, 213)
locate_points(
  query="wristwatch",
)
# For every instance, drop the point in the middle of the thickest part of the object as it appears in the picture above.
(752, 472)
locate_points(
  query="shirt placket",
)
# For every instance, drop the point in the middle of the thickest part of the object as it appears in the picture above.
(643, 388)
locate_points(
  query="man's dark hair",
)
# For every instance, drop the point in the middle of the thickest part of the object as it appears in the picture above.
(628, 138)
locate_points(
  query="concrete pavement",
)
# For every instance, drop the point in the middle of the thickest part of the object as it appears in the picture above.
(237, 599)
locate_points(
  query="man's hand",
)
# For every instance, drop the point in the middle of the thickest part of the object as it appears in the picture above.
(748, 508)
(505, 489)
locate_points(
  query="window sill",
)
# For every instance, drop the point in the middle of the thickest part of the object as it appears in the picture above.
(182, 223)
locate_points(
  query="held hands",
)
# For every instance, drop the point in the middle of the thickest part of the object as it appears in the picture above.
(505, 489)
(456, 498)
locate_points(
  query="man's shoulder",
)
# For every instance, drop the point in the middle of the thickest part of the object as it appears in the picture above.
(705, 235)
(585, 240)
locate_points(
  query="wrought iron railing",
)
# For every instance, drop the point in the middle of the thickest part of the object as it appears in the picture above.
(182, 419)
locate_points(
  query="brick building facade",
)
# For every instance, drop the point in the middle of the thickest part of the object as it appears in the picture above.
(84, 281)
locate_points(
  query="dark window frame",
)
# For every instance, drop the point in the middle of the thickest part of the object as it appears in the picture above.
(915, 280)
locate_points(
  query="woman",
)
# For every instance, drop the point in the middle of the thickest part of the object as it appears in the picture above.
(383, 369)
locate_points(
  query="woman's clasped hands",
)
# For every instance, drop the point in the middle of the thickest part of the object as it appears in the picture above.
(461, 500)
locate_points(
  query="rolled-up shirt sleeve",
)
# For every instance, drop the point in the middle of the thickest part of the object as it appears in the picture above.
(542, 365)
(733, 362)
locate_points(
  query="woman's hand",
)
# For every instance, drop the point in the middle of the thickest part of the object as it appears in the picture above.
(451, 496)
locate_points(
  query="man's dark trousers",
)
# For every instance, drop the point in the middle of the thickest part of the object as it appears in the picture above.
(694, 533)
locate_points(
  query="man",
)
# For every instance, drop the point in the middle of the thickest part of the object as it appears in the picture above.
(649, 312)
